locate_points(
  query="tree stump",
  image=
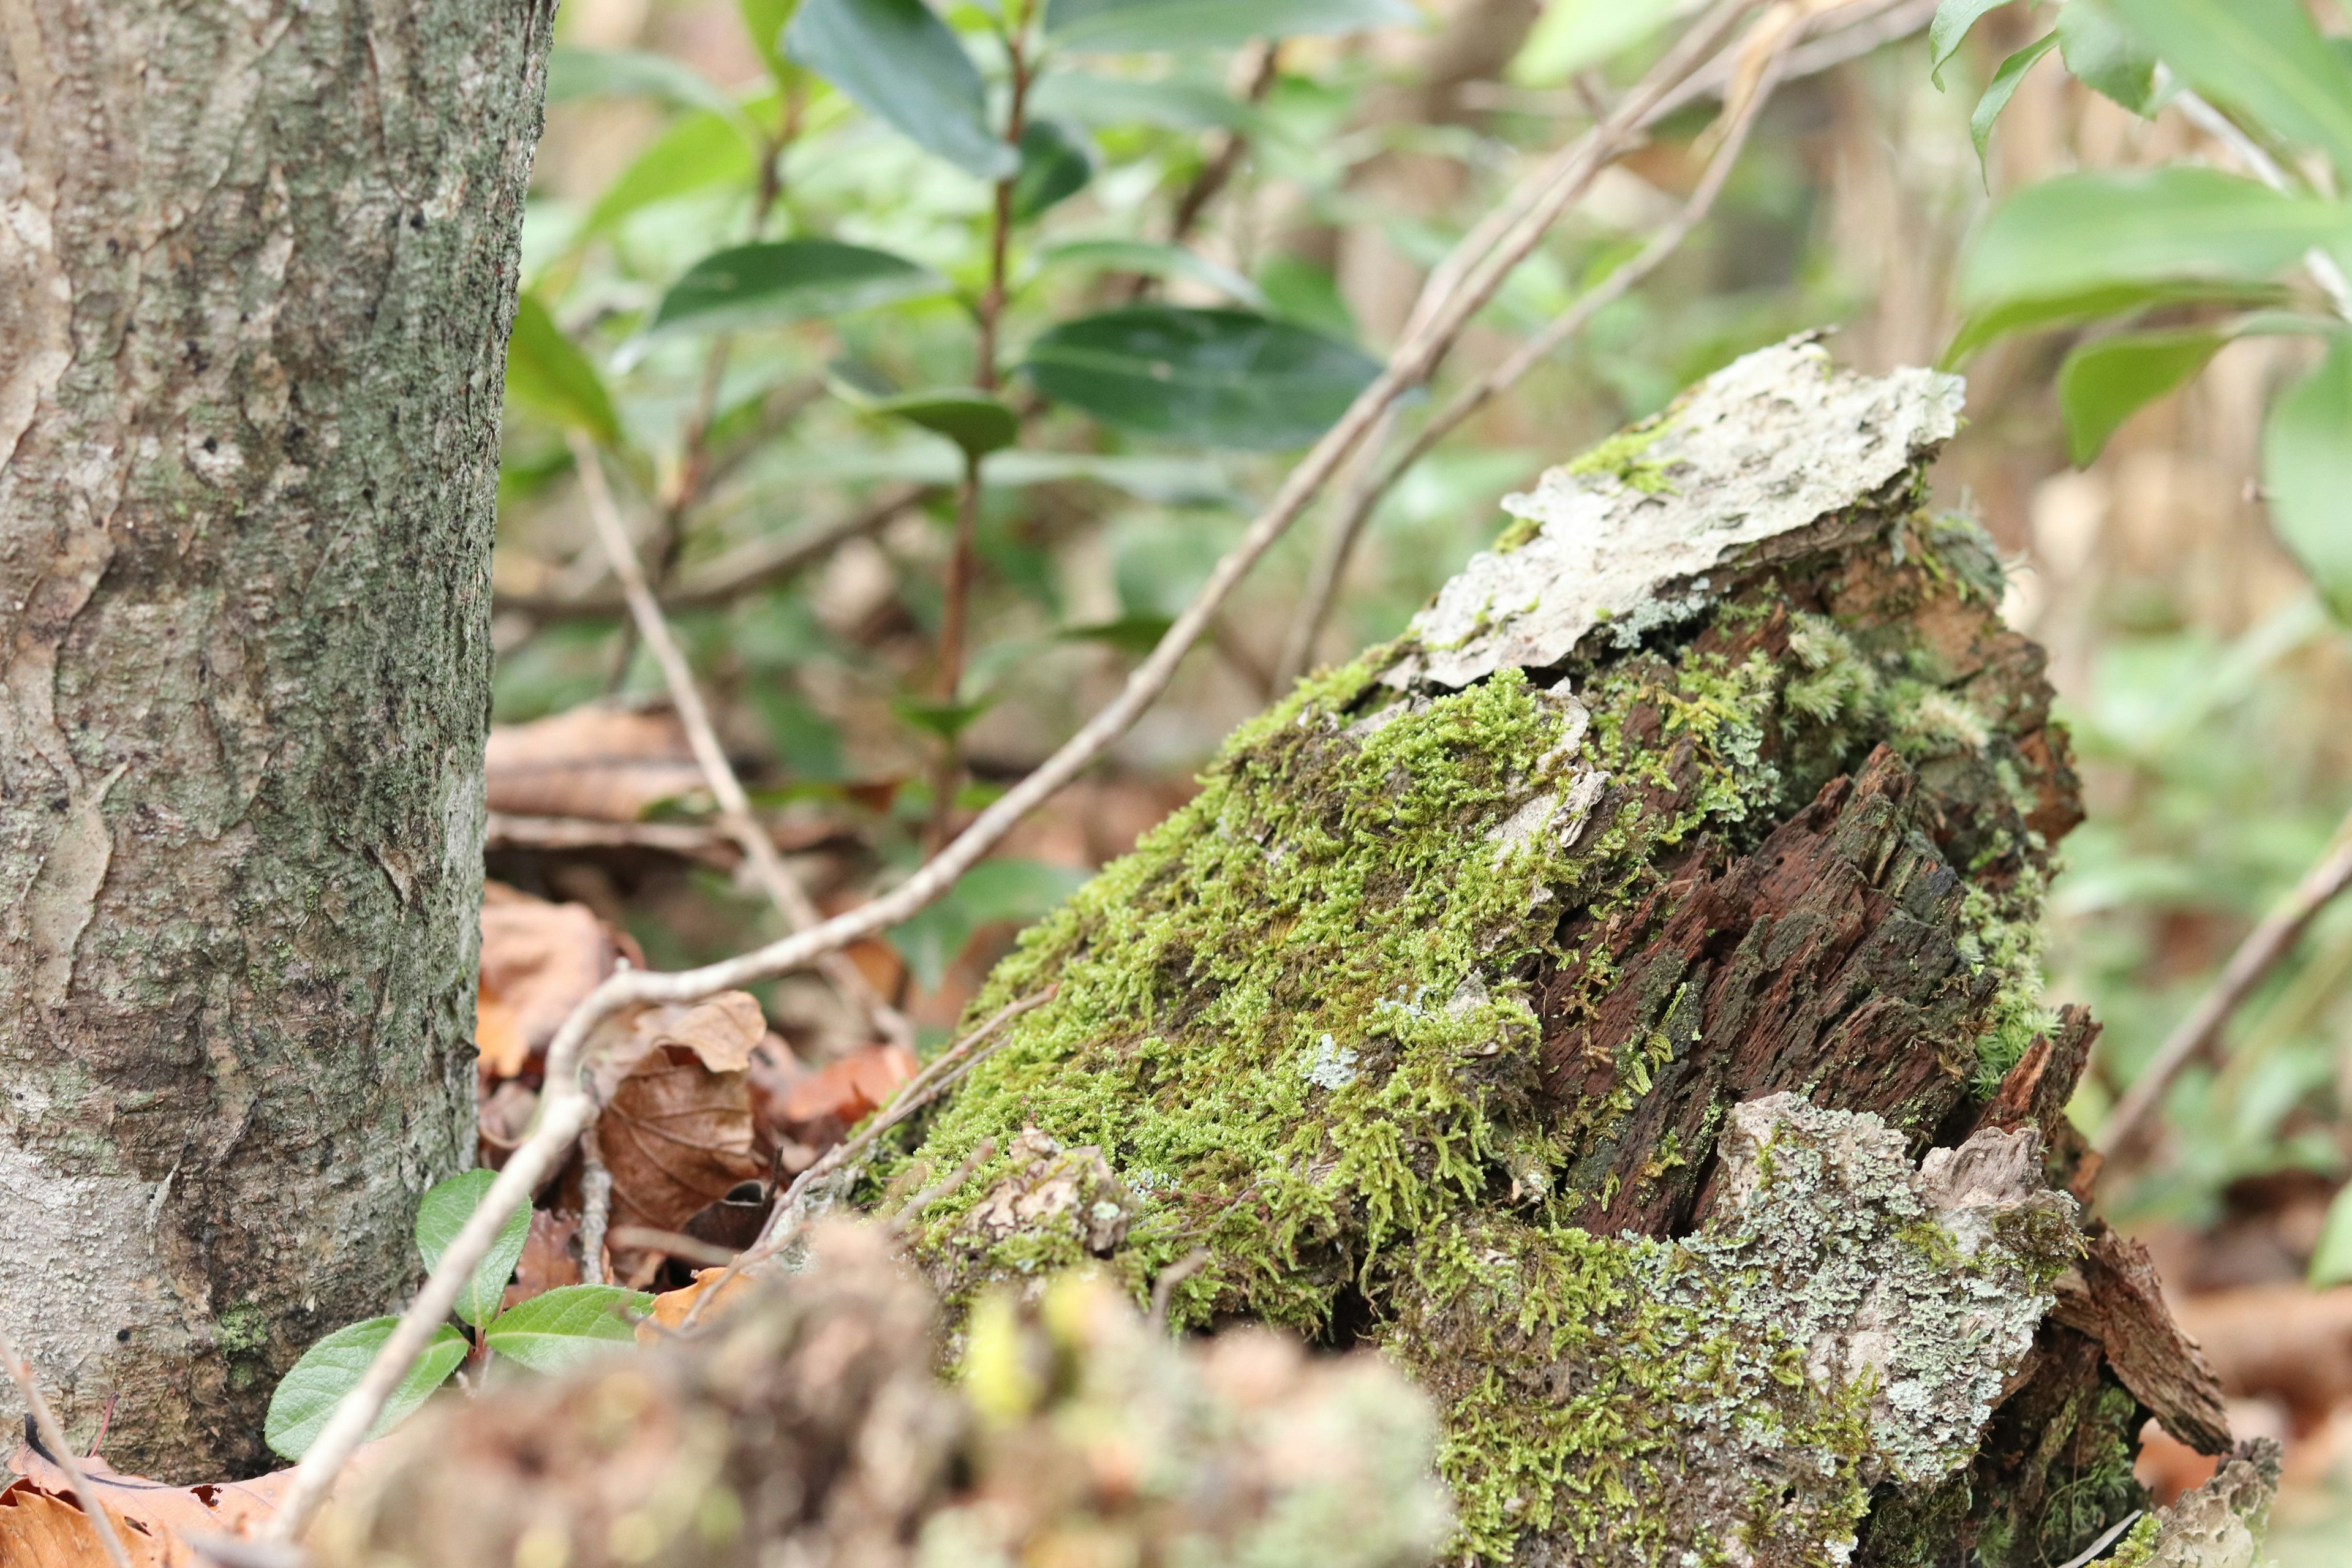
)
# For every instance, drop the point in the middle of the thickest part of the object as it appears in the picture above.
(1618, 999)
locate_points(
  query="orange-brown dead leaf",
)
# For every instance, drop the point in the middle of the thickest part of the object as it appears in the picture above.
(41, 1526)
(848, 1090)
(539, 960)
(594, 762)
(671, 1307)
(547, 1259)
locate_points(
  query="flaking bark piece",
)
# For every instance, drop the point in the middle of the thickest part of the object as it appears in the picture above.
(1057, 1206)
(1779, 453)
(2114, 1296)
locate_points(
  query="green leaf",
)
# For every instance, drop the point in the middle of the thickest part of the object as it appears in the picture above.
(2307, 469)
(945, 719)
(1297, 289)
(1573, 33)
(702, 152)
(547, 370)
(902, 63)
(975, 421)
(1135, 635)
(1220, 378)
(1997, 94)
(2106, 382)
(781, 280)
(573, 74)
(994, 893)
(2332, 1263)
(559, 1328)
(1171, 103)
(446, 1208)
(2108, 57)
(1153, 258)
(2263, 56)
(1057, 160)
(2032, 313)
(1118, 27)
(765, 21)
(331, 1369)
(1950, 29)
(2082, 232)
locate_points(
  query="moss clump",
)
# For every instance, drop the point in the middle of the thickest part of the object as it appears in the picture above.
(1623, 457)
(1300, 1024)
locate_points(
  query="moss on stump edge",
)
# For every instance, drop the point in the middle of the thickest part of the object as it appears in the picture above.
(1565, 997)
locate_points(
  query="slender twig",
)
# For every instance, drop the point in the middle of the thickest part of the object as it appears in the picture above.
(1258, 71)
(775, 878)
(1348, 522)
(690, 839)
(596, 1206)
(61, 1454)
(941, 1073)
(687, 1248)
(1164, 1288)
(1000, 233)
(2198, 1034)
(1498, 247)
(906, 1213)
(955, 612)
(745, 569)
(1337, 544)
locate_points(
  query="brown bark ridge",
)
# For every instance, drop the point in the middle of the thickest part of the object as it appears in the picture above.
(257, 269)
(1618, 999)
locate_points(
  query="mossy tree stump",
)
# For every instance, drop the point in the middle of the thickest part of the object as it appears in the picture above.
(1617, 998)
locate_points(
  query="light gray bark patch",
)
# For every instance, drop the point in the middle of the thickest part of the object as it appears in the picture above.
(1769, 455)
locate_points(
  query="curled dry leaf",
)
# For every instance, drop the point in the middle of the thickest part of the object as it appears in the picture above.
(594, 761)
(539, 958)
(548, 1260)
(42, 1527)
(818, 1108)
(677, 1131)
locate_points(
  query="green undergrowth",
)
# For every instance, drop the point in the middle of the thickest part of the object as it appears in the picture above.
(1299, 1021)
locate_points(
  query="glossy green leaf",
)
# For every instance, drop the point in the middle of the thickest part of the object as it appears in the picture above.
(702, 152)
(313, 1386)
(765, 21)
(1221, 378)
(2081, 232)
(446, 1208)
(781, 280)
(559, 1328)
(2034, 312)
(2307, 469)
(2108, 57)
(2001, 89)
(1135, 635)
(2106, 380)
(1057, 161)
(1950, 29)
(943, 721)
(2263, 56)
(902, 63)
(976, 422)
(1118, 27)
(1171, 103)
(1152, 259)
(573, 74)
(1573, 33)
(994, 893)
(547, 372)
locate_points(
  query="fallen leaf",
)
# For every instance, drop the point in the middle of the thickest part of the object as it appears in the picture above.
(676, 1131)
(722, 1032)
(671, 1307)
(821, 1107)
(539, 958)
(42, 1527)
(548, 1262)
(594, 762)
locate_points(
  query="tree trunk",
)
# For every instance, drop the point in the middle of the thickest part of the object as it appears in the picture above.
(259, 262)
(1618, 999)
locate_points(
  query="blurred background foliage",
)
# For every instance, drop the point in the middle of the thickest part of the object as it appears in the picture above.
(940, 353)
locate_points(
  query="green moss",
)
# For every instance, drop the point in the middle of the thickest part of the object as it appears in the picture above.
(1621, 457)
(2137, 1547)
(1515, 533)
(242, 1330)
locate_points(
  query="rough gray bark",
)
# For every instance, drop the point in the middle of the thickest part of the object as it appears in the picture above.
(257, 266)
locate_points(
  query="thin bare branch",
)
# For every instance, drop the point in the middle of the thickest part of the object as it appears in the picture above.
(596, 1206)
(691, 839)
(2200, 1031)
(687, 1248)
(53, 1438)
(775, 878)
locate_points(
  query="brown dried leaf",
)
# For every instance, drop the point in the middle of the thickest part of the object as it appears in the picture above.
(676, 1135)
(42, 1527)
(848, 1091)
(594, 762)
(547, 1259)
(539, 960)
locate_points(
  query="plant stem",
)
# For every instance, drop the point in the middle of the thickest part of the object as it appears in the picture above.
(1000, 235)
(955, 614)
